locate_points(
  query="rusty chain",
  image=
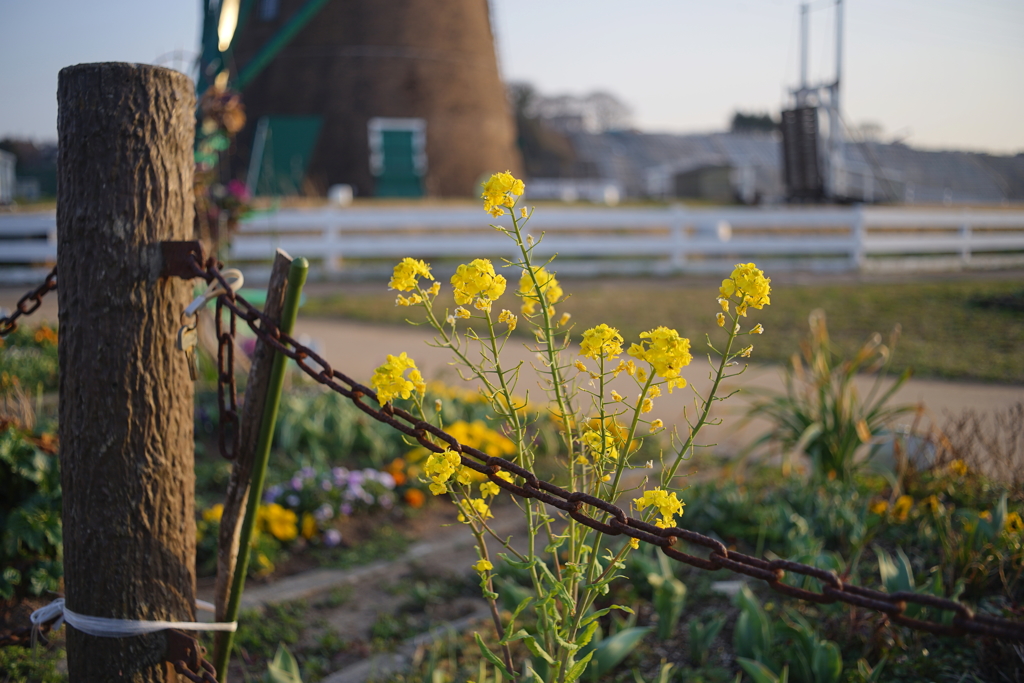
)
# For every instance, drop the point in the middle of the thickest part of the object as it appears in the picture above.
(28, 304)
(185, 654)
(834, 589)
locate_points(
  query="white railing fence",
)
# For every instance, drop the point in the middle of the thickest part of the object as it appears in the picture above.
(365, 242)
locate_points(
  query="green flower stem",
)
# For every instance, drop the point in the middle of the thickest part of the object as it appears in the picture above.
(296, 279)
(630, 435)
(727, 356)
(561, 400)
(495, 616)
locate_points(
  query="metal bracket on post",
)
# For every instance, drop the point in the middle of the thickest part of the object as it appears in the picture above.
(180, 258)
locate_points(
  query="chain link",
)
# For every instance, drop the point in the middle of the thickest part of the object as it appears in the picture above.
(617, 522)
(185, 654)
(28, 304)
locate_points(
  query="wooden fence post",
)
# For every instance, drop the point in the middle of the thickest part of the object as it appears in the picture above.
(126, 402)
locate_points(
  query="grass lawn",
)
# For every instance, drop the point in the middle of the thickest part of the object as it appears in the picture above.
(961, 327)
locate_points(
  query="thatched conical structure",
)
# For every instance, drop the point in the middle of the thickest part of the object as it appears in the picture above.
(402, 97)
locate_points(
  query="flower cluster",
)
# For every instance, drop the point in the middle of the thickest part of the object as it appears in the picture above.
(281, 522)
(667, 352)
(601, 444)
(748, 285)
(666, 502)
(548, 285)
(389, 381)
(601, 342)
(476, 283)
(440, 468)
(404, 276)
(508, 317)
(501, 189)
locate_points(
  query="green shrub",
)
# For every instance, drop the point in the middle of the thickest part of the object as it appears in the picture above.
(821, 413)
(30, 506)
(29, 356)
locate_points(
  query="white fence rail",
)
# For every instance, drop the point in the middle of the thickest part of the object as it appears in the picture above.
(594, 241)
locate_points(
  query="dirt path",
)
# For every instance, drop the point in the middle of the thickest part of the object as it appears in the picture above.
(358, 348)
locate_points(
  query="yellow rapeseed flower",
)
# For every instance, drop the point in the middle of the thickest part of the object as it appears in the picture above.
(879, 507)
(720, 319)
(408, 301)
(439, 468)
(656, 425)
(476, 508)
(758, 329)
(483, 566)
(501, 189)
(668, 354)
(404, 277)
(548, 285)
(749, 285)
(476, 282)
(388, 380)
(601, 446)
(601, 342)
(634, 543)
(508, 317)
(489, 488)
(667, 503)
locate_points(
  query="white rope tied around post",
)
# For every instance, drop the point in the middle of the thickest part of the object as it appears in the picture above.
(121, 628)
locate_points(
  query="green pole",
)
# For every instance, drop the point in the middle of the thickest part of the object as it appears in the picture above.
(296, 279)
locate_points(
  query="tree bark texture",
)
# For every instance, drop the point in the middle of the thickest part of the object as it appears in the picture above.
(126, 402)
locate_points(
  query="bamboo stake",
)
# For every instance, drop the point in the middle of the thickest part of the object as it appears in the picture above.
(249, 429)
(296, 279)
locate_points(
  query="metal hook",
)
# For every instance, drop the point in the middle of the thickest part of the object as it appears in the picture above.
(234, 278)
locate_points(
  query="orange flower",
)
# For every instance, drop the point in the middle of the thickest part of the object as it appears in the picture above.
(396, 470)
(415, 498)
(45, 335)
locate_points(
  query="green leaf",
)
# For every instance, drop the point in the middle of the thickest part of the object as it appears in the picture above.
(574, 673)
(758, 671)
(611, 651)
(828, 662)
(753, 634)
(588, 633)
(601, 612)
(536, 650)
(492, 658)
(512, 620)
(284, 668)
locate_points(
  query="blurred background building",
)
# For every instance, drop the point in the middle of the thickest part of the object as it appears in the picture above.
(397, 98)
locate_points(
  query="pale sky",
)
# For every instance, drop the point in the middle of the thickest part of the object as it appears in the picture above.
(935, 73)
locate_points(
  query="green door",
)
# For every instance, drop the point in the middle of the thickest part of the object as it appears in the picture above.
(398, 176)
